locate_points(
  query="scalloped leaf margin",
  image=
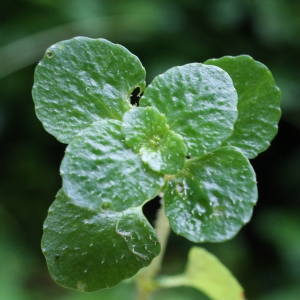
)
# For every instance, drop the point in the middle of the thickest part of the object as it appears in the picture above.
(83, 80)
(258, 105)
(87, 250)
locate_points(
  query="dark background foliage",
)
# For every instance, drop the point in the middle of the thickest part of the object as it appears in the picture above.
(265, 255)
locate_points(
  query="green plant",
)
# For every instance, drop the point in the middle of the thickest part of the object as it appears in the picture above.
(189, 140)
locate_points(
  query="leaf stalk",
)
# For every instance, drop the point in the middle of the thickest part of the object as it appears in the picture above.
(145, 280)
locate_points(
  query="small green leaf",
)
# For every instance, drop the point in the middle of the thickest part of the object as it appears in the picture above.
(207, 274)
(199, 102)
(83, 80)
(146, 131)
(212, 197)
(144, 125)
(88, 250)
(258, 104)
(101, 172)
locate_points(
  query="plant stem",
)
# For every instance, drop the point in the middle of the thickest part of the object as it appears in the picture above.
(162, 227)
(146, 278)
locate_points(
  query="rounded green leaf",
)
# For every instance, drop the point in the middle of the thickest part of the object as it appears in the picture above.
(199, 102)
(207, 274)
(146, 131)
(212, 197)
(87, 250)
(258, 104)
(83, 80)
(144, 126)
(101, 172)
(169, 158)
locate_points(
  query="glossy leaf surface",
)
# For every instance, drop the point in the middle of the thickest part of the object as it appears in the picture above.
(212, 197)
(83, 80)
(146, 131)
(101, 172)
(258, 104)
(199, 102)
(88, 250)
(207, 274)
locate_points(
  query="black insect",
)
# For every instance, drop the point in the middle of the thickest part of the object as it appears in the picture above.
(56, 256)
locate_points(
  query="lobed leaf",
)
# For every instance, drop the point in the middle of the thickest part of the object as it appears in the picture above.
(95, 234)
(101, 172)
(258, 104)
(146, 130)
(212, 197)
(83, 80)
(199, 102)
(87, 250)
(207, 274)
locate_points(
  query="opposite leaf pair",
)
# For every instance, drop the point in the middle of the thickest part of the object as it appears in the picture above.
(120, 156)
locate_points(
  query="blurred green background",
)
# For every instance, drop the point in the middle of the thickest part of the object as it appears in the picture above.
(265, 255)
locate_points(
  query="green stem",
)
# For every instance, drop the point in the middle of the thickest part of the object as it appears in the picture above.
(145, 280)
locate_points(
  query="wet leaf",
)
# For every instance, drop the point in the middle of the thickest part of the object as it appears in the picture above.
(87, 250)
(83, 80)
(146, 131)
(101, 172)
(258, 104)
(199, 102)
(212, 197)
